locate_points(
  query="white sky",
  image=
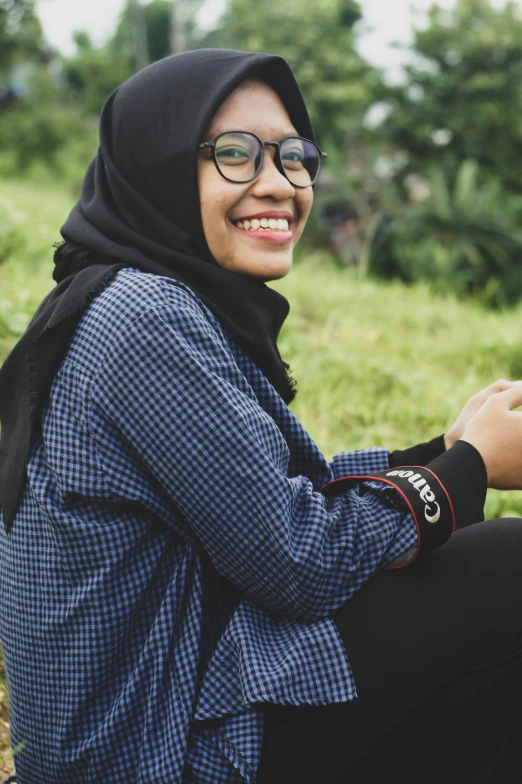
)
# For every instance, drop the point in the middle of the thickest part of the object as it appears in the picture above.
(385, 21)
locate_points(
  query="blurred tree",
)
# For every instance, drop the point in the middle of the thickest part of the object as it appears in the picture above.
(462, 97)
(157, 19)
(20, 33)
(34, 124)
(55, 121)
(139, 29)
(93, 73)
(42, 127)
(183, 24)
(318, 40)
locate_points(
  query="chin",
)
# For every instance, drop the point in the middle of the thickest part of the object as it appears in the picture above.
(276, 276)
(271, 270)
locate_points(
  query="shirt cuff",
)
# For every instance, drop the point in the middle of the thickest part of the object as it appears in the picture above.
(421, 492)
(448, 493)
(420, 454)
(463, 473)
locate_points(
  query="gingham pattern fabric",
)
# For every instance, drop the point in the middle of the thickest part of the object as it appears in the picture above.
(129, 657)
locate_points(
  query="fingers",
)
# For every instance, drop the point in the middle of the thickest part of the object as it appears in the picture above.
(508, 398)
(501, 385)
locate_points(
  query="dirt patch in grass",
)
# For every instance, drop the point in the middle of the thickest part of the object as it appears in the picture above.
(6, 760)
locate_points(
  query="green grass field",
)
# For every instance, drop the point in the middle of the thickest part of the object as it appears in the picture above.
(376, 364)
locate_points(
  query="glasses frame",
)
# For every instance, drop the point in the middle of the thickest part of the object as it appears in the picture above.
(277, 157)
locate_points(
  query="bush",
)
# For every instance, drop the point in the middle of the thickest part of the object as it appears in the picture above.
(42, 129)
(464, 239)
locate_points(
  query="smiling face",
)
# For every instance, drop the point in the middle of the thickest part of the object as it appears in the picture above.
(238, 217)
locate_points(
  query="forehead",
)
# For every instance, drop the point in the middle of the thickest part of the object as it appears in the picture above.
(255, 107)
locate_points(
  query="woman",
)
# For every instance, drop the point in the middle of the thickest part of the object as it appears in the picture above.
(182, 571)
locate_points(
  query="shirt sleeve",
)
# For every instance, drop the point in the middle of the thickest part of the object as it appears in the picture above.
(360, 461)
(173, 394)
(363, 461)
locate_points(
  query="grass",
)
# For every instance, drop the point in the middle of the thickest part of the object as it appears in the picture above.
(25, 278)
(376, 364)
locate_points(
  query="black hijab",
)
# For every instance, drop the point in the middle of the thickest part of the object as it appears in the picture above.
(139, 207)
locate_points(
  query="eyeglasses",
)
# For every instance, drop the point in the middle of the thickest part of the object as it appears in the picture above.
(239, 156)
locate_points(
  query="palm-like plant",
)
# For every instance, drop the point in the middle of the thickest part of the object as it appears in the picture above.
(465, 237)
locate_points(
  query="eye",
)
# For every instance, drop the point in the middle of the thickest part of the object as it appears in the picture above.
(233, 154)
(293, 155)
(293, 159)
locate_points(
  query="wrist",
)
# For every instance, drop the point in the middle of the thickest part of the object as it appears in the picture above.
(449, 440)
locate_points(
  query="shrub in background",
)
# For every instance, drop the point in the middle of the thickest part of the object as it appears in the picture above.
(465, 238)
(41, 128)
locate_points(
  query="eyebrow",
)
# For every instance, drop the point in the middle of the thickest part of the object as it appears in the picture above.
(282, 135)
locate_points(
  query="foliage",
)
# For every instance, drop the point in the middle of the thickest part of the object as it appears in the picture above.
(38, 124)
(157, 20)
(454, 127)
(318, 41)
(20, 31)
(54, 120)
(26, 275)
(462, 98)
(42, 127)
(465, 239)
(93, 73)
(347, 199)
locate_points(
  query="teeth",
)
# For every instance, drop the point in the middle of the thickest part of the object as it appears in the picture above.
(270, 224)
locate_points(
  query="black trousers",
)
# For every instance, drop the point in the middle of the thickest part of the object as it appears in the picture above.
(436, 652)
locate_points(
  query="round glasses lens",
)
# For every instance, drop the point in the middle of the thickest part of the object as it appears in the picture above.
(301, 160)
(238, 156)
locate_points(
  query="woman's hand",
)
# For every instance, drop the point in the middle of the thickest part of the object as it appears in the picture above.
(496, 431)
(473, 405)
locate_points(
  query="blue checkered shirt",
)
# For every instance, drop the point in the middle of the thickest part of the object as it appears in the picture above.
(172, 566)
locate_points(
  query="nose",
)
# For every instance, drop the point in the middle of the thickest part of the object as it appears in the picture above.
(270, 182)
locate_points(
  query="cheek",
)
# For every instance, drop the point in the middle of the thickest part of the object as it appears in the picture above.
(304, 200)
(215, 200)
(213, 214)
